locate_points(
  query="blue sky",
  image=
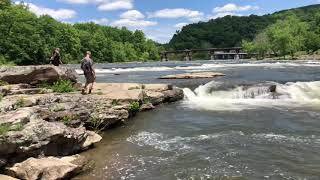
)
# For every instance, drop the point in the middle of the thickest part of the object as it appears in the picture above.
(159, 19)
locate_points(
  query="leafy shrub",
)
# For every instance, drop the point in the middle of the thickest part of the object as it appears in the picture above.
(5, 128)
(134, 106)
(44, 85)
(1, 97)
(99, 93)
(115, 102)
(62, 86)
(133, 88)
(67, 119)
(3, 83)
(21, 102)
(97, 124)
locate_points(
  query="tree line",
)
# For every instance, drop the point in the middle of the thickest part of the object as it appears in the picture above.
(281, 33)
(286, 37)
(27, 39)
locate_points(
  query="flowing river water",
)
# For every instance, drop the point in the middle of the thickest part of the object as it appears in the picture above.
(230, 127)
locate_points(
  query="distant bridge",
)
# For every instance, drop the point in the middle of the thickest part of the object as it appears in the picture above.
(215, 53)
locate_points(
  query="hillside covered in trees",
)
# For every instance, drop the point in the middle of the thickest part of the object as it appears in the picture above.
(28, 39)
(230, 31)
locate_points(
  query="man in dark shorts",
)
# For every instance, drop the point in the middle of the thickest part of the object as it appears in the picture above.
(56, 58)
(89, 73)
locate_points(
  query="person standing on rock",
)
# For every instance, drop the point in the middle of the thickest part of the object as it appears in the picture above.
(89, 73)
(56, 58)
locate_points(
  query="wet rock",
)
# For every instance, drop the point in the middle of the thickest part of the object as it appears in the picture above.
(173, 95)
(146, 107)
(36, 74)
(273, 88)
(196, 75)
(48, 168)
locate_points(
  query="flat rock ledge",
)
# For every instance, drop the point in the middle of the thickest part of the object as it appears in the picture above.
(195, 75)
(39, 127)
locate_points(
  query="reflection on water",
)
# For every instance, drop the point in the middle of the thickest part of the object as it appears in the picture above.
(261, 121)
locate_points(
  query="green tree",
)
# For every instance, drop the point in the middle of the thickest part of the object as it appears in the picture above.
(287, 36)
(5, 4)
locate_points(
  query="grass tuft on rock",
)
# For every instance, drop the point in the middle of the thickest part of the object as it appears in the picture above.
(62, 86)
(5, 128)
(97, 124)
(134, 106)
(20, 103)
(3, 83)
(115, 102)
(66, 119)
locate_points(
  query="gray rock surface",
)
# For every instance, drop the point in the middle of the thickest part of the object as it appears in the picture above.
(36, 74)
(48, 168)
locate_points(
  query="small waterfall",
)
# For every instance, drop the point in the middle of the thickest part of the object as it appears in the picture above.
(209, 96)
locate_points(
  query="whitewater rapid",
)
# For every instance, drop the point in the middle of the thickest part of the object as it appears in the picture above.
(211, 97)
(205, 67)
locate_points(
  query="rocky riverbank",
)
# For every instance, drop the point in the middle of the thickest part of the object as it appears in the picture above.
(39, 127)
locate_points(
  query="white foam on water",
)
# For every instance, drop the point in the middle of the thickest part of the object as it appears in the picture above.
(279, 138)
(299, 94)
(204, 67)
(159, 141)
(177, 143)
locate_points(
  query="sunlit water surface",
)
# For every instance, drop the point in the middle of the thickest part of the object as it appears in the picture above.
(231, 127)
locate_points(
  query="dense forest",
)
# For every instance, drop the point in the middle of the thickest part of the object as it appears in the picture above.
(286, 37)
(28, 39)
(230, 31)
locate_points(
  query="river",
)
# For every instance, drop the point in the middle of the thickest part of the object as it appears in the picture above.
(230, 127)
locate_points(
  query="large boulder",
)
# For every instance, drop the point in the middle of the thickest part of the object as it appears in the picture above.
(36, 74)
(39, 137)
(49, 168)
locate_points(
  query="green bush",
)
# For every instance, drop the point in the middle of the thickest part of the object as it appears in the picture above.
(3, 83)
(134, 106)
(5, 128)
(115, 102)
(20, 103)
(62, 86)
(1, 97)
(67, 119)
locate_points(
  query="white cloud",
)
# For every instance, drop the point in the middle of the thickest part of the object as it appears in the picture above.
(59, 14)
(180, 25)
(234, 8)
(102, 21)
(132, 14)
(177, 13)
(133, 23)
(115, 5)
